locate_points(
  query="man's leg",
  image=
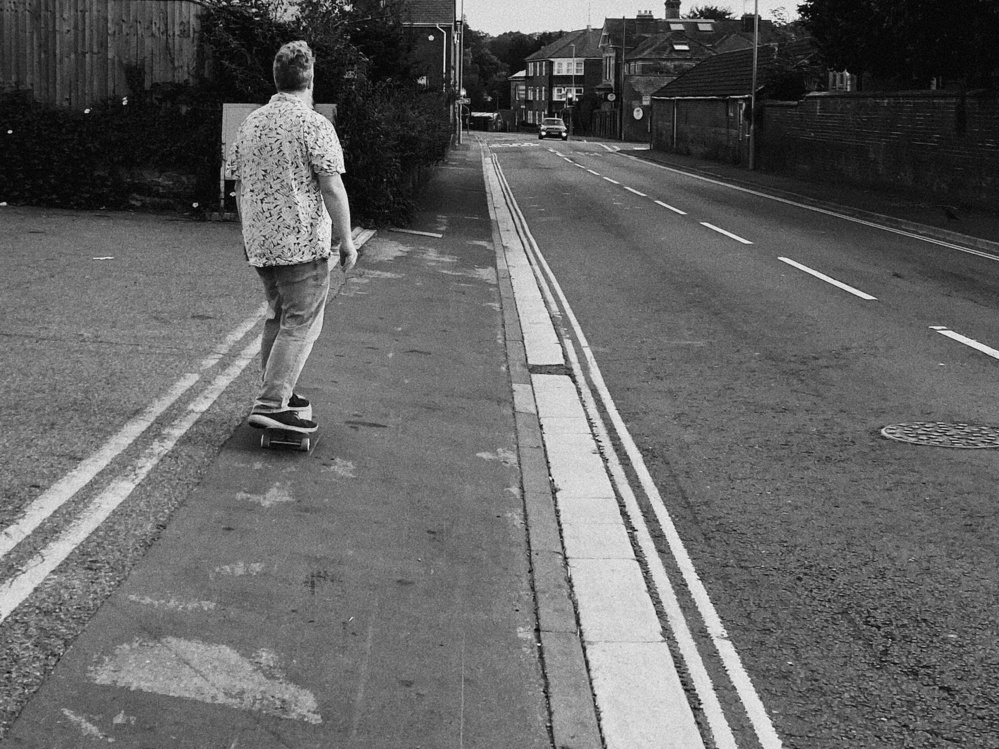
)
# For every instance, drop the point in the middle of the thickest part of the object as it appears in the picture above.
(301, 292)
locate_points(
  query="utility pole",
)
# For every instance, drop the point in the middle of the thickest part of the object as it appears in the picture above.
(752, 93)
(620, 92)
(460, 65)
(572, 116)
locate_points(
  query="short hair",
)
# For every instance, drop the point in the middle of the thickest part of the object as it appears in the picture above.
(293, 67)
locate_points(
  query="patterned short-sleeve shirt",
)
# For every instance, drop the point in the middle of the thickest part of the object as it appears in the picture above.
(277, 153)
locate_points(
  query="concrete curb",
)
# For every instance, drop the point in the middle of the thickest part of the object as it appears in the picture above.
(570, 698)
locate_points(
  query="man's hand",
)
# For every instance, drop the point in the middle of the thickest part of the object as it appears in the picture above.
(348, 255)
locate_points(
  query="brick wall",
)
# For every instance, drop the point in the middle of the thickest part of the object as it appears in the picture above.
(705, 128)
(931, 143)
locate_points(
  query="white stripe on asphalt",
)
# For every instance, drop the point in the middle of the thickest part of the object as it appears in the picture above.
(728, 234)
(717, 723)
(66, 488)
(987, 350)
(14, 590)
(827, 279)
(612, 181)
(824, 211)
(740, 679)
(597, 174)
(675, 210)
(632, 189)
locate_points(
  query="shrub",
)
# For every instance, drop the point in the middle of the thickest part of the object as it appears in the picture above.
(102, 158)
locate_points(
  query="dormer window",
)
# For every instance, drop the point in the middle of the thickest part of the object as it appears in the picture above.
(681, 48)
(705, 26)
(676, 27)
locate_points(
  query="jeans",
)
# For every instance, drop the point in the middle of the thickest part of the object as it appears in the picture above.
(296, 297)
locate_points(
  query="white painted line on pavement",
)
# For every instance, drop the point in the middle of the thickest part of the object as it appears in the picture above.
(675, 210)
(755, 709)
(433, 234)
(66, 488)
(17, 588)
(612, 181)
(597, 174)
(987, 350)
(728, 234)
(639, 194)
(717, 723)
(822, 276)
(824, 211)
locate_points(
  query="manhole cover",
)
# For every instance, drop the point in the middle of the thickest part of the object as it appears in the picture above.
(937, 434)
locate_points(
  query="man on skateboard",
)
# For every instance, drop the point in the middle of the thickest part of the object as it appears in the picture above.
(287, 162)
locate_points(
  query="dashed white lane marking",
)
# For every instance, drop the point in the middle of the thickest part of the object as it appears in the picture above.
(595, 174)
(822, 276)
(728, 234)
(824, 211)
(987, 350)
(639, 194)
(612, 181)
(14, 590)
(669, 207)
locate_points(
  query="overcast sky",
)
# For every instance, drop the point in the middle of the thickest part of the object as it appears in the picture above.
(496, 16)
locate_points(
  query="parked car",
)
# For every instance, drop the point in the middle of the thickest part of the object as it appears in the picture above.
(553, 127)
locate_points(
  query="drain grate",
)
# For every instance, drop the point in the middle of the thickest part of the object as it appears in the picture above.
(938, 434)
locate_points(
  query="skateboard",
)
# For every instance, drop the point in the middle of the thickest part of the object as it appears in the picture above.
(283, 439)
(286, 439)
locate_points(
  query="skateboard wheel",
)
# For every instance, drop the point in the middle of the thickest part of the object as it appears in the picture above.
(306, 444)
(265, 439)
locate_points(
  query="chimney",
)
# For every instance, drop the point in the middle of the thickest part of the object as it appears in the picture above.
(672, 8)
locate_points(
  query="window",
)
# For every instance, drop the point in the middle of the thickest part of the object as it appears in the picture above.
(676, 27)
(579, 67)
(681, 47)
(558, 94)
(705, 26)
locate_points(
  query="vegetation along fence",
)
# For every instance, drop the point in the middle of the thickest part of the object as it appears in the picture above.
(76, 53)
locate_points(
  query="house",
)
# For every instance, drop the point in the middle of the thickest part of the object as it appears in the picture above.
(642, 54)
(436, 35)
(560, 76)
(704, 113)
(518, 96)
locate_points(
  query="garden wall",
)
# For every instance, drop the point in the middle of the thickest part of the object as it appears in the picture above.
(939, 144)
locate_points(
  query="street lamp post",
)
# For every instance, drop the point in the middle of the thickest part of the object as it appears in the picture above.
(752, 93)
(572, 115)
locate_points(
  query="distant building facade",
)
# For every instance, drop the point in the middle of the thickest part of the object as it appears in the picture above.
(642, 54)
(560, 76)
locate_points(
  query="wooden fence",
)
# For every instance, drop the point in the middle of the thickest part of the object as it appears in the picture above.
(76, 53)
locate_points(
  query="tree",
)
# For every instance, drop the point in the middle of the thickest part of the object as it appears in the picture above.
(908, 43)
(712, 12)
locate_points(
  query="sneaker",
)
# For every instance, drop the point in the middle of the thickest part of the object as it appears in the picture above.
(288, 420)
(298, 403)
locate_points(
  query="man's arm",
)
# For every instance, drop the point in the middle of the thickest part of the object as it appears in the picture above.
(335, 198)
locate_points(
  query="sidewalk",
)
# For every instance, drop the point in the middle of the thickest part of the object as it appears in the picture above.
(376, 593)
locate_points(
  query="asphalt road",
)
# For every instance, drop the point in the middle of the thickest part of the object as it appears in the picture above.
(856, 575)
(106, 317)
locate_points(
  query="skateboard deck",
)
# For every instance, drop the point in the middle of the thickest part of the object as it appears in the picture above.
(283, 439)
